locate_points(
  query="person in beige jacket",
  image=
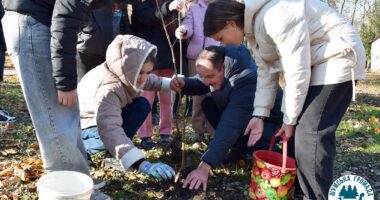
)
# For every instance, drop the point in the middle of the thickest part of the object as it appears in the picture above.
(111, 109)
(320, 56)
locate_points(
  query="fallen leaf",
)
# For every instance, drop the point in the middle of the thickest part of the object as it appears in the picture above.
(9, 126)
(11, 181)
(28, 160)
(34, 146)
(377, 130)
(16, 195)
(22, 174)
(373, 119)
(8, 152)
(131, 178)
(32, 189)
(5, 165)
(98, 174)
(38, 162)
(6, 173)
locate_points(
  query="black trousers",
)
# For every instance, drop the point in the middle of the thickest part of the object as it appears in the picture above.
(86, 62)
(315, 148)
(213, 115)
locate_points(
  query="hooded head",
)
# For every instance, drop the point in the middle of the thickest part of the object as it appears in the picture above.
(126, 56)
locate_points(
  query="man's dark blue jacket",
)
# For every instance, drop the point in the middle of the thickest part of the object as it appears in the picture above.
(235, 100)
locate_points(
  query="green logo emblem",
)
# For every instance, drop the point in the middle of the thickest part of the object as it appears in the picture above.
(351, 187)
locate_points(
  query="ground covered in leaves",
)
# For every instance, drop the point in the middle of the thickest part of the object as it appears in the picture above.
(358, 146)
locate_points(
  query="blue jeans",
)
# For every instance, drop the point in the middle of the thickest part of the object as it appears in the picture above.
(134, 115)
(57, 126)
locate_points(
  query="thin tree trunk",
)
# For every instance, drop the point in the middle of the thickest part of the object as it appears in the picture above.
(354, 12)
(364, 11)
(342, 7)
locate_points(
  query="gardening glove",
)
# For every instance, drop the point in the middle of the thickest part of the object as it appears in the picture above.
(157, 170)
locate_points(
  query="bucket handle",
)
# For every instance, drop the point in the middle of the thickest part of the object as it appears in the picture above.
(284, 148)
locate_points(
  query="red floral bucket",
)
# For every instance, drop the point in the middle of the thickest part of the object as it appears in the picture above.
(273, 174)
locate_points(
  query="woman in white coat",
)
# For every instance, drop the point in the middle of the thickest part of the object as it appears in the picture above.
(320, 55)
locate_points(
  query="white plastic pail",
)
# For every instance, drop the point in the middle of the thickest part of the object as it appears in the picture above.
(64, 185)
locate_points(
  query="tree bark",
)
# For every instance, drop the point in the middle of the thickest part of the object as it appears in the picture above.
(365, 9)
(354, 12)
(342, 6)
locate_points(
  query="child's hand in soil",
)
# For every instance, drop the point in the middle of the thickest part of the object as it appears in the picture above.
(157, 170)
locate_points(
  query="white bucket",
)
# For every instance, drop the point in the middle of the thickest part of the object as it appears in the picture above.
(64, 185)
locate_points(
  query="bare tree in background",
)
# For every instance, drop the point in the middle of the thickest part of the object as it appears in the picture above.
(365, 7)
(342, 7)
(354, 12)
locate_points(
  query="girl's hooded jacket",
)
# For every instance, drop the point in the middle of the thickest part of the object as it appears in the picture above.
(105, 90)
(306, 39)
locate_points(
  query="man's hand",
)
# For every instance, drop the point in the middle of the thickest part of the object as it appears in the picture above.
(176, 84)
(198, 177)
(175, 5)
(255, 128)
(180, 32)
(67, 98)
(288, 129)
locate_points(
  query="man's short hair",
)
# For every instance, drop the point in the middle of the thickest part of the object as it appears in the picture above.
(215, 54)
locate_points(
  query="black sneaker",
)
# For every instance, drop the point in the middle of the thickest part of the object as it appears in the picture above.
(165, 140)
(5, 117)
(147, 143)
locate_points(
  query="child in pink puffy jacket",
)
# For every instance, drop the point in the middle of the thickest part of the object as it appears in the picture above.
(192, 29)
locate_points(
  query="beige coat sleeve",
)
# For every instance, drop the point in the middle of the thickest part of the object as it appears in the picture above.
(109, 121)
(289, 31)
(266, 89)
